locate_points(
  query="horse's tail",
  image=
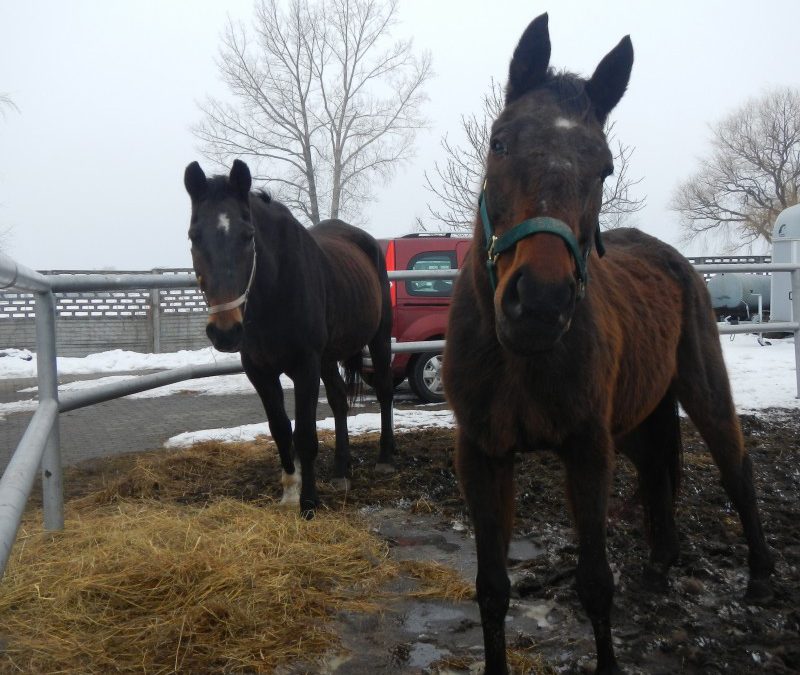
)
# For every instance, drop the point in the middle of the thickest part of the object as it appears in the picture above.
(672, 434)
(354, 385)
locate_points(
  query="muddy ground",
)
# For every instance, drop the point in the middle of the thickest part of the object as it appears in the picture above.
(701, 626)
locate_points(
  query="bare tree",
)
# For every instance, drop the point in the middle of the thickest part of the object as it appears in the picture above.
(325, 103)
(5, 230)
(456, 182)
(751, 175)
(6, 102)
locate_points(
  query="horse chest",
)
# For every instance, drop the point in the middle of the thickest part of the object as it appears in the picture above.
(528, 418)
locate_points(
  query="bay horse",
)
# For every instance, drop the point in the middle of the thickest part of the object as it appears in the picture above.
(296, 301)
(551, 347)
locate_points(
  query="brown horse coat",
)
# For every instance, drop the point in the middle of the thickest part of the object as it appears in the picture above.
(539, 358)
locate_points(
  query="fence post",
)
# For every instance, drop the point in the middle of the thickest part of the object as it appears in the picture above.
(155, 318)
(796, 319)
(47, 372)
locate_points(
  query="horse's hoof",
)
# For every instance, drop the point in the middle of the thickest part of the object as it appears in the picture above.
(341, 484)
(384, 468)
(654, 579)
(308, 508)
(759, 592)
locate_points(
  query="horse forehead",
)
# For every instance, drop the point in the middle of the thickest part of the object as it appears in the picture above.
(216, 215)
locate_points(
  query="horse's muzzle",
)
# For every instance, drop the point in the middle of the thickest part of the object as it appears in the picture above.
(533, 315)
(226, 340)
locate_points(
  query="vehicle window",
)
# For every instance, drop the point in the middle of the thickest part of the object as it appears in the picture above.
(432, 288)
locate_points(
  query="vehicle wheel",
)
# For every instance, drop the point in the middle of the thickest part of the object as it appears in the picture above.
(425, 377)
(369, 380)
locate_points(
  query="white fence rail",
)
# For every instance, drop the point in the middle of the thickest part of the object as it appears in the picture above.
(39, 447)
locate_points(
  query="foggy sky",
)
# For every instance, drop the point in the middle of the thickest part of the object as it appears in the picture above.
(91, 165)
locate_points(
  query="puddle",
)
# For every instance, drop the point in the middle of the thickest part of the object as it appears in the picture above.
(422, 617)
(523, 549)
(539, 612)
(436, 540)
(422, 654)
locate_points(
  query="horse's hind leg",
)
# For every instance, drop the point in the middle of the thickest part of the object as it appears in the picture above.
(488, 487)
(655, 449)
(380, 350)
(336, 392)
(704, 391)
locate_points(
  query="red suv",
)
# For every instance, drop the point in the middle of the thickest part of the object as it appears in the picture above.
(420, 307)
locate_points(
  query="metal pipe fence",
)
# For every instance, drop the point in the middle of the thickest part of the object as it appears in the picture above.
(39, 446)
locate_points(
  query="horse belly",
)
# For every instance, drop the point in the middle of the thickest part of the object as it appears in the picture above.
(356, 316)
(644, 379)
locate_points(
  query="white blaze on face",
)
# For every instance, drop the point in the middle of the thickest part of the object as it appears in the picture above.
(564, 123)
(224, 223)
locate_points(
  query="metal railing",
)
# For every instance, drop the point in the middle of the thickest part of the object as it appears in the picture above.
(39, 446)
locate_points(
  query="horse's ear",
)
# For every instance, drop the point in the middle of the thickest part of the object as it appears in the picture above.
(530, 61)
(610, 80)
(240, 179)
(195, 181)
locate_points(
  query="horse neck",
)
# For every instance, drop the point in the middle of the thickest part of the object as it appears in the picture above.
(287, 244)
(479, 274)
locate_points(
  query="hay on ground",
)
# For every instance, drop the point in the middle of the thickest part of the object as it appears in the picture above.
(146, 586)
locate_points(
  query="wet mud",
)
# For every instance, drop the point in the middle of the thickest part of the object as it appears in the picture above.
(701, 625)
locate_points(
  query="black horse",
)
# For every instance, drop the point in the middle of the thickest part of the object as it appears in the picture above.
(296, 301)
(551, 347)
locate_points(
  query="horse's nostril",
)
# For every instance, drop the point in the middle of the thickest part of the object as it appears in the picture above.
(525, 298)
(512, 304)
(520, 296)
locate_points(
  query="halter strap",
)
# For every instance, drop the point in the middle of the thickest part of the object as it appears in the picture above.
(543, 224)
(242, 299)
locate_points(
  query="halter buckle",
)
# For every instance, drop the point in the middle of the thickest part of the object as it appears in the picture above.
(491, 252)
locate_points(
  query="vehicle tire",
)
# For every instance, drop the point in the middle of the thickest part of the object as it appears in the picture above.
(425, 377)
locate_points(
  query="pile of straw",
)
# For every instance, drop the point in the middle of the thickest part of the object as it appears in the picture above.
(149, 586)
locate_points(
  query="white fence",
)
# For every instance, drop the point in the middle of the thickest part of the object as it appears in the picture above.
(39, 446)
(87, 321)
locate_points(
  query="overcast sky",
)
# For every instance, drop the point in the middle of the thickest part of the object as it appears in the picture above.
(91, 165)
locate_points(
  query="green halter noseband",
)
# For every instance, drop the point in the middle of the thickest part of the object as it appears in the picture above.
(543, 224)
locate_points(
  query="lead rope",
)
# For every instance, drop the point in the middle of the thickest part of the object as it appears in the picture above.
(242, 299)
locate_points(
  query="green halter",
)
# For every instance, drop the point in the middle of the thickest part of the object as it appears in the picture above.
(496, 245)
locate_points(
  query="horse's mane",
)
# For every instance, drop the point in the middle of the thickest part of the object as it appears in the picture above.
(218, 186)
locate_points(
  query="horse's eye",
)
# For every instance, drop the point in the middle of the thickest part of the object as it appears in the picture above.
(194, 236)
(607, 171)
(498, 147)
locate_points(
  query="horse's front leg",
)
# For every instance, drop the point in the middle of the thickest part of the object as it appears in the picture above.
(306, 396)
(268, 386)
(488, 486)
(589, 462)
